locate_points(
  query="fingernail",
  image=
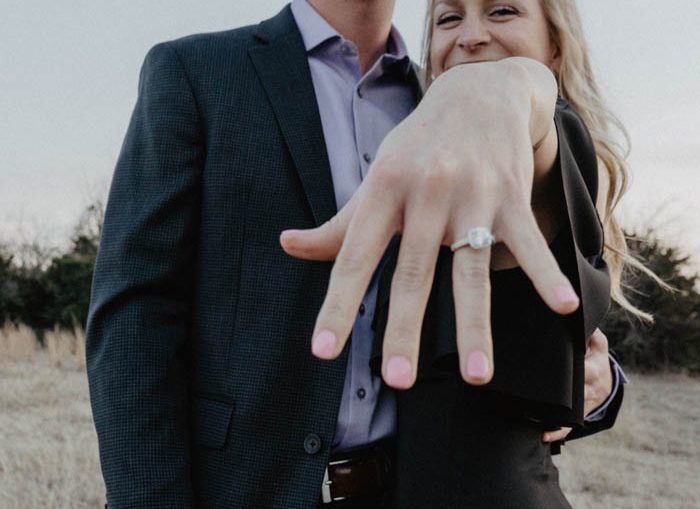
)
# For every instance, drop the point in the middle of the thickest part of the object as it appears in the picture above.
(566, 295)
(398, 372)
(477, 365)
(323, 346)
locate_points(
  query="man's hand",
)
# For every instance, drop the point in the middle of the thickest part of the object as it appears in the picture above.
(463, 159)
(598, 381)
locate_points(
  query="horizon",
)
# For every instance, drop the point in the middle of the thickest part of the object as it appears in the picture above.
(69, 86)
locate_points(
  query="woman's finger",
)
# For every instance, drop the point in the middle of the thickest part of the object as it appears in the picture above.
(371, 227)
(471, 287)
(410, 289)
(324, 242)
(525, 240)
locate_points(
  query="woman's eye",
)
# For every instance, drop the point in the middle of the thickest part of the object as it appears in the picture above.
(503, 11)
(447, 18)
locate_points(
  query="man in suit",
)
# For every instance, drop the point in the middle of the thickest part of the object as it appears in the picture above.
(203, 389)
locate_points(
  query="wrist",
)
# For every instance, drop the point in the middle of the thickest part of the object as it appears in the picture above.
(542, 91)
(488, 91)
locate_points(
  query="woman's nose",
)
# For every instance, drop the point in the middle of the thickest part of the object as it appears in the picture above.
(474, 34)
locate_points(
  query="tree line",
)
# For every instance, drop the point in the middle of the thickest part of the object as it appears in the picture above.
(45, 290)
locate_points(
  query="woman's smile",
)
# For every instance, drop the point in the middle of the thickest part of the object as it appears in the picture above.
(475, 31)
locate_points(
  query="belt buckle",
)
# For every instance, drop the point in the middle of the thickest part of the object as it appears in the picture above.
(326, 496)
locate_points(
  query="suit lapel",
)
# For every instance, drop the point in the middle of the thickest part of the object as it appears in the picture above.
(281, 63)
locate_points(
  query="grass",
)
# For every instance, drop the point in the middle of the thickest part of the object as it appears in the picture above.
(649, 460)
(49, 455)
(48, 444)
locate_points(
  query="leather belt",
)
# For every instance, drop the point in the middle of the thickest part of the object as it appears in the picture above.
(362, 473)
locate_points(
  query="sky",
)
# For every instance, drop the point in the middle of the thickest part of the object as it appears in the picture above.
(69, 72)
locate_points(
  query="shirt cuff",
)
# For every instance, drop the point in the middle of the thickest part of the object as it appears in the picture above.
(619, 377)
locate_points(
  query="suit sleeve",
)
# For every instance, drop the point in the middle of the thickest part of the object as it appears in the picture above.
(609, 410)
(137, 334)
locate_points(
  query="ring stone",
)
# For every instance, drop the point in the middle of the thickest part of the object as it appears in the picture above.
(477, 238)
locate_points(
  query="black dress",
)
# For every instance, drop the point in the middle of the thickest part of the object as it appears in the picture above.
(468, 447)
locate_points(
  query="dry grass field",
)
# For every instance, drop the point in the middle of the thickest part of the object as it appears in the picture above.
(49, 458)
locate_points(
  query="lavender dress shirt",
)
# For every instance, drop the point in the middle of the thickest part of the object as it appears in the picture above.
(357, 112)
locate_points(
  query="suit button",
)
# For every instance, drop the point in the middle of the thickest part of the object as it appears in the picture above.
(312, 443)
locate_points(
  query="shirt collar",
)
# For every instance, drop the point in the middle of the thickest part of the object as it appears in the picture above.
(315, 30)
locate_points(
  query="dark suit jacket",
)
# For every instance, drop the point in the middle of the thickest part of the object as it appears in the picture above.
(202, 384)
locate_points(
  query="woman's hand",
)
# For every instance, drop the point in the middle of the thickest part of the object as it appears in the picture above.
(463, 159)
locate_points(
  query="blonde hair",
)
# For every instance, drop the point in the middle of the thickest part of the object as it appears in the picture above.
(577, 85)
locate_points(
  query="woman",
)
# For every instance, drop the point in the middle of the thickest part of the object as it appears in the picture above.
(492, 436)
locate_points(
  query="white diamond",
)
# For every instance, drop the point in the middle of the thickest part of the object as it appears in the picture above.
(480, 238)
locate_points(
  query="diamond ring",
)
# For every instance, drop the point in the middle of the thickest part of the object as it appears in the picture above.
(477, 238)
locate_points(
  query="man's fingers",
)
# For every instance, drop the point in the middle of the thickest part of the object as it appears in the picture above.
(368, 234)
(324, 242)
(597, 372)
(555, 436)
(471, 286)
(597, 343)
(596, 359)
(528, 245)
(410, 289)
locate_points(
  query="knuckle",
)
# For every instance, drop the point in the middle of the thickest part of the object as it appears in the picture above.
(445, 169)
(513, 186)
(349, 265)
(388, 171)
(475, 276)
(439, 182)
(411, 274)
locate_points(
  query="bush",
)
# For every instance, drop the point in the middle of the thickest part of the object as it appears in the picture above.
(673, 340)
(44, 291)
(66, 283)
(8, 285)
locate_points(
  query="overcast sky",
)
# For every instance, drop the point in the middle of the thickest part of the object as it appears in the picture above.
(69, 71)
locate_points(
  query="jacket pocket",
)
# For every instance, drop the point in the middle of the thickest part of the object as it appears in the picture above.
(211, 422)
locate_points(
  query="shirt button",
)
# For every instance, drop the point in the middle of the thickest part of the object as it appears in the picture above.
(359, 93)
(361, 393)
(312, 443)
(347, 49)
(362, 309)
(367, 157)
